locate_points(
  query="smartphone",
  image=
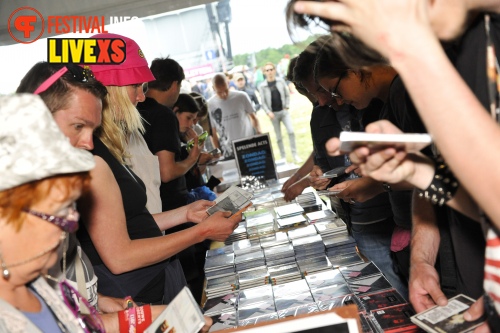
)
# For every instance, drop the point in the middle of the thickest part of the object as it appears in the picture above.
(201, 139)
(334, 172)
(377, 141)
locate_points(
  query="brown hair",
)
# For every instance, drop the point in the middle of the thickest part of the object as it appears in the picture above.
(14, 200)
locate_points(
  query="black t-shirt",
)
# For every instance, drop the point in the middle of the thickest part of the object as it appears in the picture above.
(327, 123)
(276, 103)
(140, 223)
(162, 133)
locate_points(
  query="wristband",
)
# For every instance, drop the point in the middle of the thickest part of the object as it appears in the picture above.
(127, 320)
(443, 186)
(135, 319)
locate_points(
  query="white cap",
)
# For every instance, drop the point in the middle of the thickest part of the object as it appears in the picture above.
(31, 145)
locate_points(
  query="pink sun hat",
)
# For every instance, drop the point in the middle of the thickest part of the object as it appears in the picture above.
(134, 70)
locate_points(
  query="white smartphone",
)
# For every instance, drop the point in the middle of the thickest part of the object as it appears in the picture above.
(378, 141)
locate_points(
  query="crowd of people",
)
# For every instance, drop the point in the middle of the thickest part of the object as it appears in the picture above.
(108, 142)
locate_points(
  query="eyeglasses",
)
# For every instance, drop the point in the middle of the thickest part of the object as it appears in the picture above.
(334, 93)
(68, 223)
(91, 323)
(269, 70)
(81, 74)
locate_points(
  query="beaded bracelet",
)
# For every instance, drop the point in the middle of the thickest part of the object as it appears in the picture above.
(444, 185)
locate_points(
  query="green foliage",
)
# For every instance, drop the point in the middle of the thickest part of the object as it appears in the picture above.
(273, 55)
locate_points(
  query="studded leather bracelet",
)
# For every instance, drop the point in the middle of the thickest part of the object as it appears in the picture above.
(444, 185)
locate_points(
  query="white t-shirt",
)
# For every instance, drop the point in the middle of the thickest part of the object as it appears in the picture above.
(234, 123)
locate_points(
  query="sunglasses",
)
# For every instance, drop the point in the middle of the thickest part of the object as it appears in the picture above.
(269, 70)
(90, 323)
(81, 74)
(68, 223)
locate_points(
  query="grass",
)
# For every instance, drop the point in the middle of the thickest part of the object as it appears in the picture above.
(300, 110)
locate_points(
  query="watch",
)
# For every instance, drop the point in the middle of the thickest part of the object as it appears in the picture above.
(387, 187)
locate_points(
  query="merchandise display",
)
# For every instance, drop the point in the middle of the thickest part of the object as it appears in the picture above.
(285, 261)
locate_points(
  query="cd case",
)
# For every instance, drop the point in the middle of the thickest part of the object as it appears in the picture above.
(234, 199)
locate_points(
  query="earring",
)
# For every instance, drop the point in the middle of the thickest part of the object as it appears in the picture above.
(5, 270)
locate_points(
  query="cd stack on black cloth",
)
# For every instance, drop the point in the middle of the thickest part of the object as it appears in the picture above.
(326, 215)
(293, 298)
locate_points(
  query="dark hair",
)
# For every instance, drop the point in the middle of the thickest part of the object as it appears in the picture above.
(166, 72)
(202, 104)
(353, 52)
(186, 103)
(304, 68)
(58, 95)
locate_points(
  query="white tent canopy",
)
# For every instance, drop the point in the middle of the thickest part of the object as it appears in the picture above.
(108, 8)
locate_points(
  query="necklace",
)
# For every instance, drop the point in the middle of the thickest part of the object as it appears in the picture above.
(5, 267)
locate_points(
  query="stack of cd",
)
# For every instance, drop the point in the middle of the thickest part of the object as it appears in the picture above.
(220, 286)
(219, 262)
(224, 321)
(278, 238)
(331, 228)
(339, 244)
(239, 233)
(262, 198)
(309, 230)
(293, 298)
(284, 273)
(291, 222)
(321, 216)
(260, 225)
(253, 278)
(250, 260)
(314, 264)
(288, 210)
(214, 270)
(280, 202)
(279, 255)
(256, 305)
(310, 246)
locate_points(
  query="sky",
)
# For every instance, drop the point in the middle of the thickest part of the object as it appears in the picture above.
(255, 25)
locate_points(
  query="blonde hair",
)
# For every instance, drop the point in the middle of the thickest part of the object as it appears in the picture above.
(119, 120)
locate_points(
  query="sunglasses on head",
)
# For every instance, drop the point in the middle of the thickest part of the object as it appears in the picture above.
(90, 323)
(81, 74)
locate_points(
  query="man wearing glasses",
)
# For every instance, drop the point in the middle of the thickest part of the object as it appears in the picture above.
(275, 98)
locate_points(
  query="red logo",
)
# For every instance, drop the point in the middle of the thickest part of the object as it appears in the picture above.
(23, 25)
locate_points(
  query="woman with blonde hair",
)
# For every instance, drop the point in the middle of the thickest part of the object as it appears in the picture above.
(123, 240)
